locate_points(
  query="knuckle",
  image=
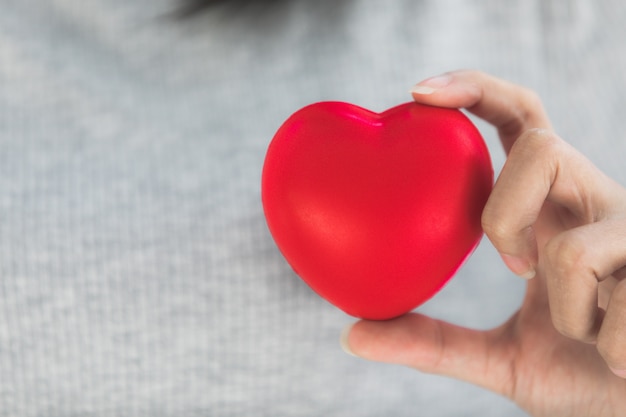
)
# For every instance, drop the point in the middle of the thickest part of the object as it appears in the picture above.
(531, 99)
(566, 262)
(572, 328)
(538, 143)
(618, 297)
(531, 106)
(495, 226)
(567, 328)
(567, 254)
(613, 352)
(528, 108)
(612, 337)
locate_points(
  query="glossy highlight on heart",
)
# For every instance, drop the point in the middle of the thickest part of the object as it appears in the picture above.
(376, 211)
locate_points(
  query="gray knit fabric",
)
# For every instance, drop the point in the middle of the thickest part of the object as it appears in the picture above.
(137, 275)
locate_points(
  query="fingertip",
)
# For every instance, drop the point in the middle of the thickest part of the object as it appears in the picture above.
(385, 341)
(519, 266)
(421, 90)
(454, 89)
(431, 85)
(344, 340)
(619, 372)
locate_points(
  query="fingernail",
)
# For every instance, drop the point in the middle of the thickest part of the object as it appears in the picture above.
(430, 85)
(619, 372)
(343, 340)
(519, 266)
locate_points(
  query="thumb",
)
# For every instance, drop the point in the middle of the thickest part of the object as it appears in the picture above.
(436, 347)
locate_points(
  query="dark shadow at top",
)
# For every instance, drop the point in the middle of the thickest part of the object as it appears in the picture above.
(188, 9)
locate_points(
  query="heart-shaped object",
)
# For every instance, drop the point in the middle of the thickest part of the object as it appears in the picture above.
(376, 212)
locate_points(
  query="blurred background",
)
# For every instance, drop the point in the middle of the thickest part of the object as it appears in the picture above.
(137, 275)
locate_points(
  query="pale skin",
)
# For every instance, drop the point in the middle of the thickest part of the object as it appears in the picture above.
(560, 223)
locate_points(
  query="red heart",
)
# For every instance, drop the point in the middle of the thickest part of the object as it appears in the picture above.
(376, 212)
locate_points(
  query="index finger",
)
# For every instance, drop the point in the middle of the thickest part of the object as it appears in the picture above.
(512, 109)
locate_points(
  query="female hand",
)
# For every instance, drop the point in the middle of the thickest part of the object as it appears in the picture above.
(557, 221)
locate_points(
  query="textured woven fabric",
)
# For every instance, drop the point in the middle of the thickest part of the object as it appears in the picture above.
(137, 276)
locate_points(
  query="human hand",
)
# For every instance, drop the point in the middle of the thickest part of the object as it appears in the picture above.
(557, 221)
